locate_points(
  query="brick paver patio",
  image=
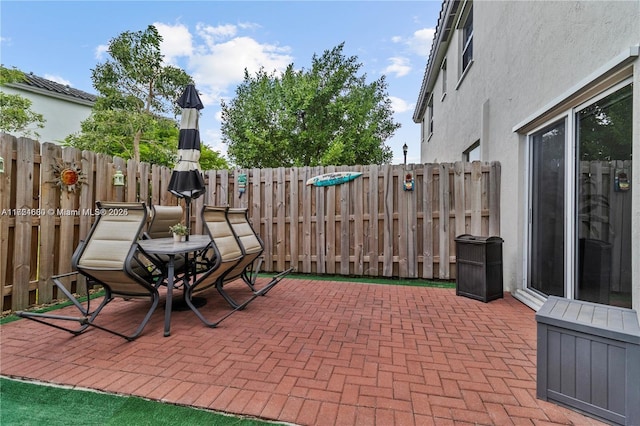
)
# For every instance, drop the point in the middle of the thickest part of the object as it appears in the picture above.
(313, 353)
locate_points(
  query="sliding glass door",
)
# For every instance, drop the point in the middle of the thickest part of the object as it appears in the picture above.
(580, 202)
(546, 269)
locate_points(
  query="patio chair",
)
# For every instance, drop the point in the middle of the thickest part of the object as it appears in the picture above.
(108, 257)
(252, 248)
(251, 245)
(162, 217)
(227, 254)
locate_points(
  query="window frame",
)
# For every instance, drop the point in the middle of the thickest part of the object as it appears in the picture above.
(465, 41)
(474, 146)
(443, 73)
(429, 120)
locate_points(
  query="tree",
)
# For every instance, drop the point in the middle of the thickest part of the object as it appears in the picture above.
(327, 115)
(136, 92)
(16, 113)
(109, 132)
(135, 84)
(211, 160)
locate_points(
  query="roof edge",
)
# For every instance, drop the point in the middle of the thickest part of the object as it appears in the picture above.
(440, 40)
(66, 97)
(40, 85)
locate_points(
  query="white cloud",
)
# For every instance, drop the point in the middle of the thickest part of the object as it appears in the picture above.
(216, 56)
(219, 60)
(400, 105)
(249, 26)
(419, 42)
(57, 79)
(211, 34)
(224, 64)
(101, 50)
(399, 66)
(177, 41)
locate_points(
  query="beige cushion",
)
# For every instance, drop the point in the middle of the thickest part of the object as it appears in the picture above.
(162, 218)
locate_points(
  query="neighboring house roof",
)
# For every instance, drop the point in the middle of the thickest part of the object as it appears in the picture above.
(36, 84)
(446, 22)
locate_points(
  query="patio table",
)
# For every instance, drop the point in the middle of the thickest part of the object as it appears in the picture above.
(171, 248)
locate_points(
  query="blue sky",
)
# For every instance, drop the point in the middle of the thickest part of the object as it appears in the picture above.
(214, 41)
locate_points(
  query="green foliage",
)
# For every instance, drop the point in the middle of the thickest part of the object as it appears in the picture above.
(12, 75)
(136, 93)
(212, 160)
(135, 79)
(16, 114)
(135, 90)
(111, 132)
(327, 115)
(606, 127)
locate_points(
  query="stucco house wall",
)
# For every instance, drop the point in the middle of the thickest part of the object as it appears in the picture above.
(526, 55)
(63, 108)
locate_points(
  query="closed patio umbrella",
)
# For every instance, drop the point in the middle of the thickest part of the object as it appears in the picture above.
(186, 179)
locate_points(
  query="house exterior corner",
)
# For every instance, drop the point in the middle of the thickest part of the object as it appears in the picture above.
(552, 91)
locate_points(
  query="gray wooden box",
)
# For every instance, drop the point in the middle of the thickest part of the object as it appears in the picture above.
(589, 359)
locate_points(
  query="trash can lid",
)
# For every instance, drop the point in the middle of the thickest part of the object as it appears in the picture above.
(475, 239)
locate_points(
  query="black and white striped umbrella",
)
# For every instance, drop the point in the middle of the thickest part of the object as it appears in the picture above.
(186, 180)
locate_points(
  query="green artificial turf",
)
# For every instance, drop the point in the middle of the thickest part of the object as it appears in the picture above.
(52, 307)
(26, 404)
(416, 282)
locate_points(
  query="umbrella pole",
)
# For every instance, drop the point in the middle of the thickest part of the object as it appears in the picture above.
(188, 202)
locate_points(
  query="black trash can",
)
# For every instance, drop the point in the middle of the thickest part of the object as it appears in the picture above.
(594, 272)
(479, 267)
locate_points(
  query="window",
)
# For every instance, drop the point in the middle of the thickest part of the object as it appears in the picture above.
(430, 116)
(472, 153)
(443, 73)
(467, 41)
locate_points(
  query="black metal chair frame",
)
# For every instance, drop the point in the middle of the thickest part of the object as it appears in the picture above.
(227, 254)
(141, 286)
(249, 267)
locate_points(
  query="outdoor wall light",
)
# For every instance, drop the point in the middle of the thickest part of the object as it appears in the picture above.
(118, 178)
(1, 165)
(408, 182)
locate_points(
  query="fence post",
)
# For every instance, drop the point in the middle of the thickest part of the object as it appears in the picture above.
(23, 228)
(49, 197)
(6, 152)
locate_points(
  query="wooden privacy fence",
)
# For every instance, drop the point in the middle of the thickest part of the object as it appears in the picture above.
(604, 216)
(367, 227)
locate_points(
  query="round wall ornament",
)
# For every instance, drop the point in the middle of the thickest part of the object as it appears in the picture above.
(68, 175)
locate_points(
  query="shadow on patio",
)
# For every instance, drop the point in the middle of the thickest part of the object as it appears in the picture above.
(313, 353)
